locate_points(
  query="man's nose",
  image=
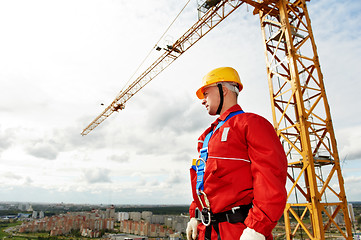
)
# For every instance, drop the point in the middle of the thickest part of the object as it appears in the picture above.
(204, 101)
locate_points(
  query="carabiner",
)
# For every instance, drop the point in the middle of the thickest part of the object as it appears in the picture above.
(206, 210)
(203, 217)
(200, 160)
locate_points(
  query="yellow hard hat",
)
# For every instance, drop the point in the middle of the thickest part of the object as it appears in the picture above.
(222, 74)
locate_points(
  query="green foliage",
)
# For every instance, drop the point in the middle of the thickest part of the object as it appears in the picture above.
(75, 233)
(11, 212)
(6, 224)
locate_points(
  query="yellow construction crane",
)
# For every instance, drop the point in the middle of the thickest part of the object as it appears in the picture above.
(301, 114)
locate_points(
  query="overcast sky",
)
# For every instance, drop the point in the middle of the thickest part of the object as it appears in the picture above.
(60, 60)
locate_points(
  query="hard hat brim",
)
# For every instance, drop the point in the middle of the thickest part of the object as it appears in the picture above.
(200, 95)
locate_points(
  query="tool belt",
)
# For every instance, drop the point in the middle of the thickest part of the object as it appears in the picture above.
(210, 220)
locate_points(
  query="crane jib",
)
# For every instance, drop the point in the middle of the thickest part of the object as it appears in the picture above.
(206, 23)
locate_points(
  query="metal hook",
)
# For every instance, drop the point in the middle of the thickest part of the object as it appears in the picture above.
(203, 218)
(207, 209)
(199, 160)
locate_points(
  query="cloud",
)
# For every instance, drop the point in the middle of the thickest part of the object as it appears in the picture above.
(11, 176)
(349, 142)
(28, 180)
(352, 188)
(72, 138)
(99, 175)
(338, 49)
(120, 158)
(6, 139)
(49, 143)
(155, 125)
(180, 115)
(46, 149)
(182, 156)
(175, 178)
(353, 179)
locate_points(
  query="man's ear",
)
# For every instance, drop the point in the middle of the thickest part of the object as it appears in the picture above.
(225, 90)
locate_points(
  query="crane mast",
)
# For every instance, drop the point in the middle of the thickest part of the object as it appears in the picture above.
(300, 110)
(302, 119)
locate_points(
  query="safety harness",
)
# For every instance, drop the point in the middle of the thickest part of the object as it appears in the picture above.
(200, 164)
(237, 214)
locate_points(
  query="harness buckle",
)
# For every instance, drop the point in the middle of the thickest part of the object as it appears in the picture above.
(198, 214)
(235, 209)
(206, 212)
(204, 149)
(198, 163)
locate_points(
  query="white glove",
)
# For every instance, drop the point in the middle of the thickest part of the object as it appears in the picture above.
(192, 229)
(250, 234)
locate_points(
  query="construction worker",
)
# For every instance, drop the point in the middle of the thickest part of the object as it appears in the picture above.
(238, 181)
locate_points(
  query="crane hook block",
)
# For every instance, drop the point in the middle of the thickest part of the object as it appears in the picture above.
(118, 107)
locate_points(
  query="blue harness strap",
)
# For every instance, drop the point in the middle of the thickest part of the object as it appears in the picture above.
(200, 164)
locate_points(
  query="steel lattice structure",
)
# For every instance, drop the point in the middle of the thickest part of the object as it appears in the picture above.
(302, 118)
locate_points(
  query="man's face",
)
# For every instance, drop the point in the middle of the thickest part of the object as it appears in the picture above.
(211, 99)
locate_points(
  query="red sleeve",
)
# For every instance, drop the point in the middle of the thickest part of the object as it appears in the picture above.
(269, 173)
(192, 210)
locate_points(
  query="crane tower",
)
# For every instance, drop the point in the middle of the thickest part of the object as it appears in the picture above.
(301, 114)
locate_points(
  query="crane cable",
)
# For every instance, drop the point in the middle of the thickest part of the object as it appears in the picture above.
(126, 84)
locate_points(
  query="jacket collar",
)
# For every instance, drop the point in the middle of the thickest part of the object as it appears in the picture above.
(234, 108)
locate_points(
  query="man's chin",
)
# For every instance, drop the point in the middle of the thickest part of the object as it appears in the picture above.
(212, 113)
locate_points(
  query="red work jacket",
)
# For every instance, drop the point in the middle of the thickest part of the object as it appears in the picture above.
(246, 163)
